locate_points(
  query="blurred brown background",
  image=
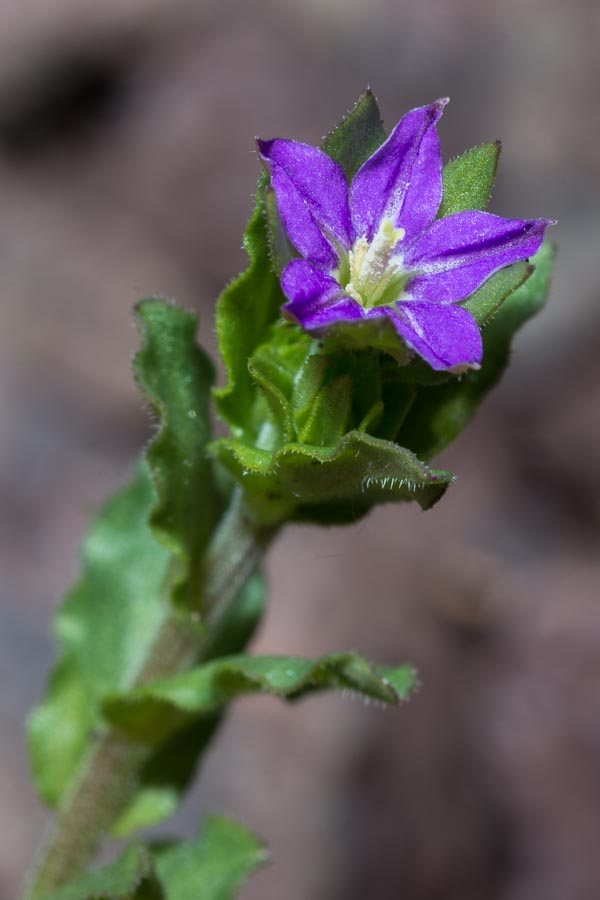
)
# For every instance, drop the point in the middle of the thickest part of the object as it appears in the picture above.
(127, 168)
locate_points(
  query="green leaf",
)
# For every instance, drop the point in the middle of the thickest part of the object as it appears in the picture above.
(330, 484)
(468, 180)
(104, 627)
(245, 310)
(175, 377)
(173, 702)
(357, 136)
(170, 769)
(439, 414)
(130, 567)
(212, 866)
(130, 877)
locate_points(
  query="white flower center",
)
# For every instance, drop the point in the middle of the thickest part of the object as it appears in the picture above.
(372, 274)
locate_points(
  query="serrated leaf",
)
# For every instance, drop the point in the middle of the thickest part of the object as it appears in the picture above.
(170, 769)
(212, 866)
(330, 484)
(175, 377)
(104, 627)
(468, 180)
(439, 414)
(357, 136)
(130, 877)
(173, 702)
(245, 310)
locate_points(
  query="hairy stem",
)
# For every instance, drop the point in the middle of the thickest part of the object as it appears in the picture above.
(108, 775)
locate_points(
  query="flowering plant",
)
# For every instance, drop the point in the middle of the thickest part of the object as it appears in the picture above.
(377, 311)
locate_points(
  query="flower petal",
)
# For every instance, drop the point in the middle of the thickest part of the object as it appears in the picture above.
(457, 254)
(446, 337)
(402, 180)
(315, 300)
(312, 196)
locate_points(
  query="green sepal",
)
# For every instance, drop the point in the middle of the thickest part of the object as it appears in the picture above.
(281, 248)
(357, 136)
(131, 876)
(487, 300)
(175, 377)
(330, 484)
(170, 769)
(468, 180)
(151, 713)
(330, 413)
(213, 865)
(439, 414)
(245, 310)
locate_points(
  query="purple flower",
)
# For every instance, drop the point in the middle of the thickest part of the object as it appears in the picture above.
(375, 248)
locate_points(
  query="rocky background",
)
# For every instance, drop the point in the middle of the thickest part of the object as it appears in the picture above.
(127, 168)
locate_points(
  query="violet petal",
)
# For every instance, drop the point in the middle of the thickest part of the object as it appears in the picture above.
(312, 197)
(315, 300)
(444, 336)
(402, 180)
(458, 253)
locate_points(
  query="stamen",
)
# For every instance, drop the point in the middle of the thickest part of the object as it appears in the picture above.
(373, 270)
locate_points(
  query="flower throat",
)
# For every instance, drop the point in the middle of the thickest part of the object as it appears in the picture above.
(372, 273)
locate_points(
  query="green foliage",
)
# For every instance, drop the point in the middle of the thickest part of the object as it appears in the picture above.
(157, 710)
(143, 551)
(212, 866)
(468, 180)
(439, 414)
(130, 877)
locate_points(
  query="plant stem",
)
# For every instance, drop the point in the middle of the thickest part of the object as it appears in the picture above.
(108, 774)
